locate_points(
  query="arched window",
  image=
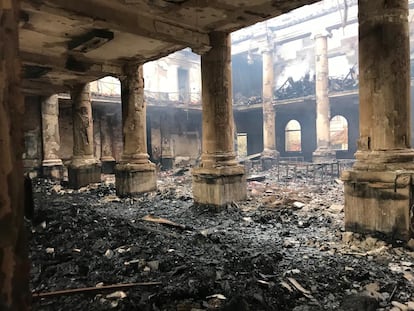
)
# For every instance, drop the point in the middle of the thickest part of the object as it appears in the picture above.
(339, 133)
(242, 145)
(293, 140)
(107, 86)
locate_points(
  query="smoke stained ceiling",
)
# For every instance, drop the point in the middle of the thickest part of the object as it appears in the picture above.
(67, 42)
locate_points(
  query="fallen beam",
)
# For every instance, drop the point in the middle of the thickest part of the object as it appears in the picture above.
(86, 290)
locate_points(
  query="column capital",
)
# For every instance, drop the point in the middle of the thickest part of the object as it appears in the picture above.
(50, 105)
(266, 50)
(267, 45)
(130, 68)
(321, 33)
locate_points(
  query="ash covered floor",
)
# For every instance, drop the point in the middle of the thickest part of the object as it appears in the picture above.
(283, 249)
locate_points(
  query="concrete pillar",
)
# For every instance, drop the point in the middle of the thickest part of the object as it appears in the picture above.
(14, 264)
(323, 151)
(52, 166)
(378, 189)
(270, 154)
(135, 173)
(84, 167)
(219, 179)
(107, 158)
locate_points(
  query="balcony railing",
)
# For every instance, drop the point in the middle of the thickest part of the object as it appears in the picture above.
(110, 91)
(173, 98)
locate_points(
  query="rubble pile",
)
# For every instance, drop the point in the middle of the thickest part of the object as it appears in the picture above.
(283, 249)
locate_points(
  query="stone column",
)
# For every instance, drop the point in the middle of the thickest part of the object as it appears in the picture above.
(14, 264)
(219, 179)
(107, 158)
(84, 167)
(52, 165)
(378, 189)
(167, 151)
(270, 154)
(323, 152)
(135, 173)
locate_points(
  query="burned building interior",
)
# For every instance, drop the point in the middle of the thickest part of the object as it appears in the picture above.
(206, 155)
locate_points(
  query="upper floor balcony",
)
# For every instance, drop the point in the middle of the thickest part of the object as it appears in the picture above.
(109, 92)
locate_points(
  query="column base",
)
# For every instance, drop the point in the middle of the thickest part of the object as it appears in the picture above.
(52, 169)
(83, 175)
(379, 160)
(32, 164)
(323, 155)
(248, 165)
(53, 172)
(219, 186)
(108, 167)
(167, 163)
(269, 158)
(379, 202)
(132, 179)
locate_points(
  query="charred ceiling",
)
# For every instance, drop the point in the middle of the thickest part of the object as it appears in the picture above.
(66, 42)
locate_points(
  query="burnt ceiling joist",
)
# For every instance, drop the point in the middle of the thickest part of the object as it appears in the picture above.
(70, 63)
(63, 42)
(34, 71)
(121, 18)
(36, 78)
(90, 40)
(42, 88)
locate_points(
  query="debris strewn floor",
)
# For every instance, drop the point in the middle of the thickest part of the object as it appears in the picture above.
(282, 249)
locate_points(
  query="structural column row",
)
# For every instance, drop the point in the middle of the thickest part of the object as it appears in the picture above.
(324, 152)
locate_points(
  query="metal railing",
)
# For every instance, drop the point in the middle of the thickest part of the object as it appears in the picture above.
(111, 90)
(315, 172)
(173, 98)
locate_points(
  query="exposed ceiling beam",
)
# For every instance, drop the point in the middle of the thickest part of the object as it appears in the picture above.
(30, 87)
(122, 18)
(71, 64)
